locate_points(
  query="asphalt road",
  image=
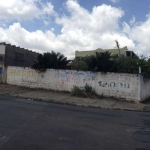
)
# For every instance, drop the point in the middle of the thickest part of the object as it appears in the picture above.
(32, 125)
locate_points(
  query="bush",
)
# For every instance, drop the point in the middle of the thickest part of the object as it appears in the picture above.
(76, 91)
(89, 89)
(79, 65)
(50, 60)
(101, 96)
(99, 61)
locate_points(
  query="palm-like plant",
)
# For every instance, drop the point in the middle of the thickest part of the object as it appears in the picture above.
(50, 60)
(118, 46)
(99, 62)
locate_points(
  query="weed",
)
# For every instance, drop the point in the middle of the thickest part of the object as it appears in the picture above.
(76, 91)
(89, 89)
(86, 91)
(101, 96)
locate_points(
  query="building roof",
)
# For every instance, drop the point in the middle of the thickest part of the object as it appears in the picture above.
(3, 43)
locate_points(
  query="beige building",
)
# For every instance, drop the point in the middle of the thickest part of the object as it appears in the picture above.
(123, 51)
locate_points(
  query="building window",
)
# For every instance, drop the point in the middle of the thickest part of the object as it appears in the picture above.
(19, 56)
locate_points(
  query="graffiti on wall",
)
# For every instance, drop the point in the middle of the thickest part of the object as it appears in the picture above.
(74, 77)
(110, 84)
(21, 73)
(28, 82)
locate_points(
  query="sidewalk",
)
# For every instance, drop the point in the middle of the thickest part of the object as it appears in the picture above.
(66, 98)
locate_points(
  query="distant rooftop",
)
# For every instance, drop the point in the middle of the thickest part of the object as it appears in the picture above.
(4, 43)
(91, 52)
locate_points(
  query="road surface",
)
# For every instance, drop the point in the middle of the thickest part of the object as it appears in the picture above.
(33, 125)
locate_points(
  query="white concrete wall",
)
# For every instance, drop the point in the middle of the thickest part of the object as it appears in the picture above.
(126, 86)
(22, 76)
(145, 89)
(118, 85)
(62, 80)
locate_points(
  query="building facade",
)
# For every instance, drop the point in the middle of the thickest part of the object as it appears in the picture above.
(10, 55)
(122, 51)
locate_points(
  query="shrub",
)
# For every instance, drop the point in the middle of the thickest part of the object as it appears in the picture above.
(99, 62)
(50, 60)
(89, 89)
(79, 65)
(76, 91)
(101, 96)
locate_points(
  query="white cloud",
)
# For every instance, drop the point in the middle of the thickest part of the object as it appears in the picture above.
(52, 29)
(85, 30)
(140, 33)
(82, 30)
(38, 40)
(24, 9)
(114, 1)
(103, 18)
(132, 21)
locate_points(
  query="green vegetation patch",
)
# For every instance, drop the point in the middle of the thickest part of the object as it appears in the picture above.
(87, 91)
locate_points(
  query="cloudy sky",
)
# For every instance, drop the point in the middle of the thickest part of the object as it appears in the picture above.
(68, 25)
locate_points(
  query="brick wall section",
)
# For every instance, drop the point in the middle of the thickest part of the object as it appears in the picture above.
(16, 56)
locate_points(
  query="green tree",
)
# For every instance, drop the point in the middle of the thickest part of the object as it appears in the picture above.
(144, 63)
(131, 65)
(50, 61)
(125, 65)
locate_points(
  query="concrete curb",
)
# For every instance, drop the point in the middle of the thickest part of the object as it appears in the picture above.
(81, 105)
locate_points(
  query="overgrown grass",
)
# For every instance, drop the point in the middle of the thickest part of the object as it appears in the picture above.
(87, 91)
(76, 91)
(101, 96)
